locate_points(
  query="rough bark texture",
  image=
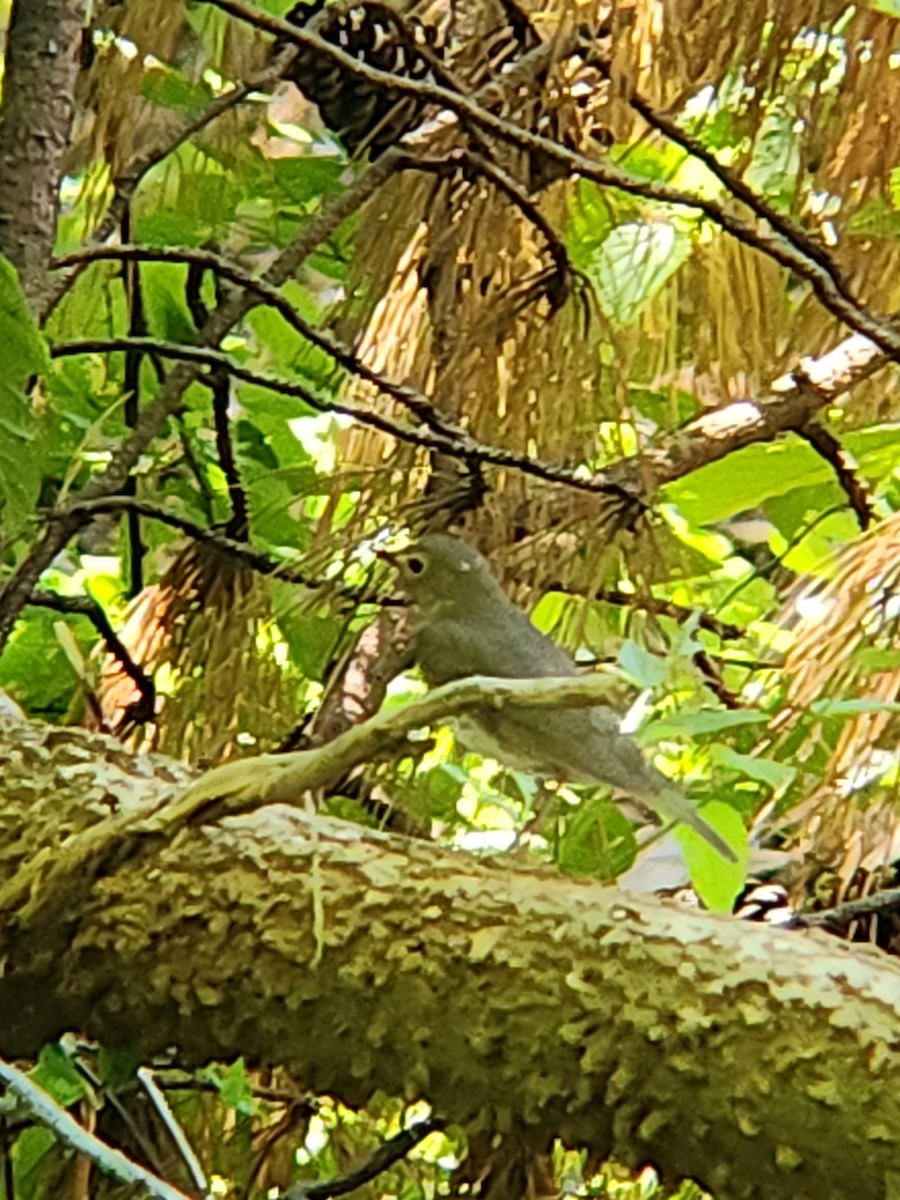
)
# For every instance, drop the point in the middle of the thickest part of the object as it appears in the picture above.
(762, 1063)
(35, 118)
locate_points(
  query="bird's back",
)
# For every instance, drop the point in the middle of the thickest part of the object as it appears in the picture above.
(581, 745)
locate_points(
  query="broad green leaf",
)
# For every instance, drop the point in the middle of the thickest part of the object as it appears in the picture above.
(31, 1148)
(746, 478)
(236, 1088)
(718, 882)
(633, 263)
(55, 1073)
(24, 354)
(597, 839)
(34, 668)
(644, 668)
(775, 164)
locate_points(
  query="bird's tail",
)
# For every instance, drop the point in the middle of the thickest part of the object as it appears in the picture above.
(674, 806)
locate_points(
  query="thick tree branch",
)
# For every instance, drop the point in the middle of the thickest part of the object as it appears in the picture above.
(792, 402)
(762, 1063)
(47, 881)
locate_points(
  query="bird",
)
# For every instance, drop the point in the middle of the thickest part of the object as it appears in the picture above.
(464, 624)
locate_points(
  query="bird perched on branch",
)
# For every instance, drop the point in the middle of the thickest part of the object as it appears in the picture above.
(464, 624)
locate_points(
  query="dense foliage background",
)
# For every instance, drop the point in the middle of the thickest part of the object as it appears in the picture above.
(648, 372)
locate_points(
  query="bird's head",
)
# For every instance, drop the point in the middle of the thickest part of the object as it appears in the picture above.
(441, 572)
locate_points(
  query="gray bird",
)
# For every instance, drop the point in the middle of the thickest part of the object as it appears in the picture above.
(464, 624)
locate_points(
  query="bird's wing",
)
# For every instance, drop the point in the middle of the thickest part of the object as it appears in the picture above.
(491, 640)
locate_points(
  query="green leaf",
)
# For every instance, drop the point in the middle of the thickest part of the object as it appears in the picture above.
(32, 1146)
(633, 263)
(24, 354)
(34, 668)
(170, 89)
(717, 881)
(118, 1065)
(873, 659)
(766, 770)
(597, 839)
(707, 720)
(852, 708)
(55, 1073)
(236, 1088)
(306, 178)
(746, 478)
(642, 667)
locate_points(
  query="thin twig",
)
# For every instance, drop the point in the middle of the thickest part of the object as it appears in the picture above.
(851, 910)
(460, 445)
(392, 1151)
(86, 606)
(176, 1133)
(67, 1130)
(827, 445)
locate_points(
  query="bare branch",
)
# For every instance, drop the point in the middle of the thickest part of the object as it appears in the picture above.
(85, 606)
(67, 1130)
(459, 445)
(394, 1150)
(880, 330)
(128, 182)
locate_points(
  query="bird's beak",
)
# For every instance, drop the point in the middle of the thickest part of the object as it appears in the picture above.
(388, 557)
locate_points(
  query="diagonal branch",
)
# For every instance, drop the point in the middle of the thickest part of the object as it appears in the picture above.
(458, 443)
(126, 184)
(248, 784)
(882, 331)
(67, 1130)
(394, 1150)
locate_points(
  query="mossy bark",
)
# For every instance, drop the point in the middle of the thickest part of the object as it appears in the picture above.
(763, 1063)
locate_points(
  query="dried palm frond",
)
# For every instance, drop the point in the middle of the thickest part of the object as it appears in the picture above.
(847, 648)
(206, 634)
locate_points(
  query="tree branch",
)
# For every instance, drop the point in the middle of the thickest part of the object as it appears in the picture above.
(247, 784)
(394, 1150)
(880, 330)
(67, 1130)
(763, 1063)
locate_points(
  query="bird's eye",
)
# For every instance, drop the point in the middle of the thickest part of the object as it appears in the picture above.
(416, 565)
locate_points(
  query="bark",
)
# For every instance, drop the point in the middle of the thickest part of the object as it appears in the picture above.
(35, 121)
(763, 1063)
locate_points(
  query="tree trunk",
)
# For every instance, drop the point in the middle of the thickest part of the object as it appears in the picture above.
(35, 117)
